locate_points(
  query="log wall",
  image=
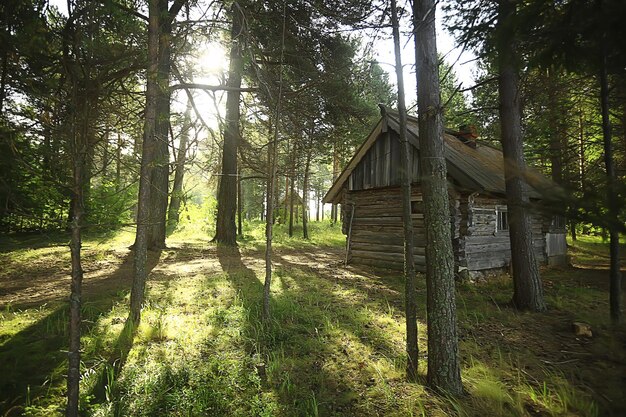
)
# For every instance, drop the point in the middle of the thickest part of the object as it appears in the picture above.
(485, 247)
(377, 236)
(377, 239)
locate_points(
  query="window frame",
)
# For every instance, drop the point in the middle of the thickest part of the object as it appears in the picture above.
(502, 219)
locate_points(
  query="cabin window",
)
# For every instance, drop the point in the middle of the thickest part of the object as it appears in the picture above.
(558, 223)
(502, 219)
(416, 207)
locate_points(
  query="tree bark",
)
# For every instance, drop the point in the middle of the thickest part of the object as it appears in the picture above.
(305, 196)
(73, 374)
(118, 163)
(286, 202)
(105, 154)
(82, 111)
(263, 199)
(615, 297)
(333, 207)
(82, 108)
(148, 149)
(272, 156)
(4, 71)
(444, 371)
(160, 170)
(528, 289)
(572, 229)
(179, 172)
(225, 228)
(239, 206)
(292, 191)
(317, 206)
(554, 122)
(410, 295)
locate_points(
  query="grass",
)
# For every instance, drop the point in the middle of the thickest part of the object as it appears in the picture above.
(591, 251)
(334, 345)
(322, 234)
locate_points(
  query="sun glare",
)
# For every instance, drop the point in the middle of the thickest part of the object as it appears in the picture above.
(212, 61)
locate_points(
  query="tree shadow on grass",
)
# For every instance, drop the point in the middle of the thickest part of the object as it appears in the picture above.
(33, 240)
(44, 239)
(33, 361)
(358, 322)
(279, 342)
(121, 347)
(310, 346)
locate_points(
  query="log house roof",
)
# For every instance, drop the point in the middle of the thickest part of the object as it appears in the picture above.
(479, 168)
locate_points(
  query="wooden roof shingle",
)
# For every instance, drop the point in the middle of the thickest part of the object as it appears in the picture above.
(475, 169)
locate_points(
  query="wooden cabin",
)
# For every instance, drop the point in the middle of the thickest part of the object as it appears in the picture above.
(368, 190)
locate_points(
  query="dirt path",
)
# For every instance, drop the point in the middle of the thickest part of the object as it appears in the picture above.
(44, 276)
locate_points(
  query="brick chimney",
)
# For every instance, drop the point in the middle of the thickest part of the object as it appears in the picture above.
(467, 134)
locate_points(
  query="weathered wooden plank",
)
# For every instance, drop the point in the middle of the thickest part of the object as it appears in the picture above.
(369, 211)
(378, 247)
(377, 220)
(488, 247)
(482, 264)
(387, 256)
(397, 266)
(364, 236)
(485, 239)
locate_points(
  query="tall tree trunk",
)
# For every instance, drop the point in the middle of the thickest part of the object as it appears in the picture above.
(444, 372)
(286, 202)
(317, 206)
(140, 271)
(333, 207)
(73, 374)
(582, 171)
(623, 91)
(82, 107)
(292, 191)
(612, 197)
(305, 195)
(528, 289)
(105, 153)
(276, 207)
(272, 157)
(225, 227)
(118, 163)
(79, 151)
(3, 76)
(410, 295)
(555, 123)
(179, 172)
(161, 170)
(239, 205)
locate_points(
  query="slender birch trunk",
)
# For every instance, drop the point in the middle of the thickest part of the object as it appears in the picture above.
(410, 295)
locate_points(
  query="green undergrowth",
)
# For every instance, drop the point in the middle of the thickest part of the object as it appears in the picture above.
(334, 345)
(591, 251)
(321, 234)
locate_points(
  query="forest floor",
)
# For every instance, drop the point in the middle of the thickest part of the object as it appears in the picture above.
(334, 346)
